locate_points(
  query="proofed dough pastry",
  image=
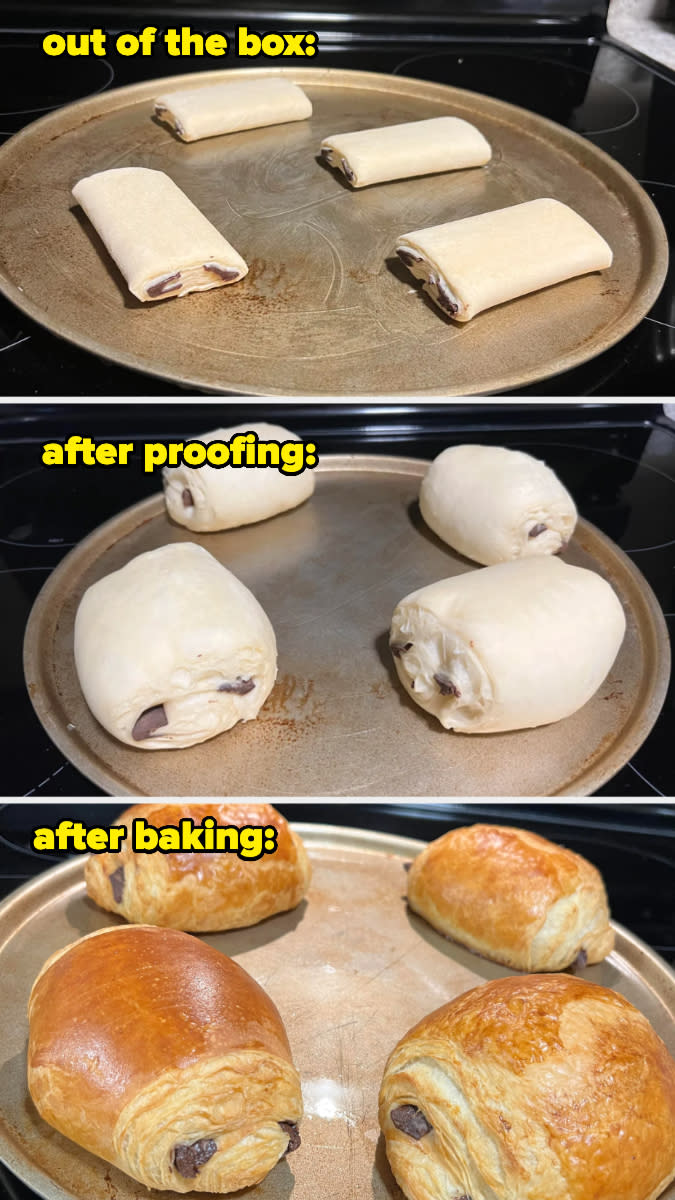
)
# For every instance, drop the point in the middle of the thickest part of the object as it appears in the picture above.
(173, 649)
(159, 1054)
(163, 245)
(200, 891)
(210, 498)
(512, 896)
(401, 151)
(494, 504)
(227, 107)
(540, 1087)
(512, 646)
(468, 265)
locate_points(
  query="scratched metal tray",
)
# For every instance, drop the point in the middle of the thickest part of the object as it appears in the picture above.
(329, 574)
(350, 971)
(326, 308)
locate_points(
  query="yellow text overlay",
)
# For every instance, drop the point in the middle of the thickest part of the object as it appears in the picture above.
(250, 842)
(181, 43)
(243, 450)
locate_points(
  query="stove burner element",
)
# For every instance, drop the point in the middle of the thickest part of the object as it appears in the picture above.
(60, 519)
(663, 312)
(581, 100)
(53, 82)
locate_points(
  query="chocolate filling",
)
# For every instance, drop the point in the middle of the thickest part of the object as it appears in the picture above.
(188, 1159)
(326, 153)
(536, 530)
(168, 284)
(293, 1132)
(408, 257)
(240, 687)
(117, 884)
(410, 1120)
(446, 301)
(446, 687)
(188, 502)
(226, 273)
(348, 173)
(149, 720)
(399, 648)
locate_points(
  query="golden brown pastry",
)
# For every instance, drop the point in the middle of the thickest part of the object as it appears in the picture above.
(536, 1087)
(200, 891)
(159, 1054)
(512, 896)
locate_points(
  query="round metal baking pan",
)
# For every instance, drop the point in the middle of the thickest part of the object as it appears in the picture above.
(326, 308)
(329, 575)
(350, 971)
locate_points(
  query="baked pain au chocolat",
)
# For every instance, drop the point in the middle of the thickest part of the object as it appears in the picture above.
(540, 1087)
(469, 265)
(513, 897)
(163, 1057)
(200, 892)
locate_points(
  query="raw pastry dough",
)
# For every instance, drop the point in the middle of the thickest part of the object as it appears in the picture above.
(512, 646)
(163, 245)
(477, 262)
(228, 107)
(202, 891)
(209, 498)
(494, 504)
(401, 151)
(513, 897)
(172, 649)
(156, 1052)
(540, 1087)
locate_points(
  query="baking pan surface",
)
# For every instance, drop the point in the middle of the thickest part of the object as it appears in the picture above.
(326, 308)
(329, 575)
(351, 970)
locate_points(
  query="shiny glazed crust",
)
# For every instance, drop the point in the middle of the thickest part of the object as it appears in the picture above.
(200, 892)
(145, 1040)
(540, 1087)
(513, 897)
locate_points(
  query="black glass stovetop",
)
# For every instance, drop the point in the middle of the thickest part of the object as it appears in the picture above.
(618, 100)
(617, 461)
(632, 845)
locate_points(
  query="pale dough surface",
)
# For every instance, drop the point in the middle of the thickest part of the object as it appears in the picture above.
(511, 646)
(498, 256)
(228, 107)
(490, 503)
(154, 232)
(401, 151)
(171, 628)
(226, 497)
